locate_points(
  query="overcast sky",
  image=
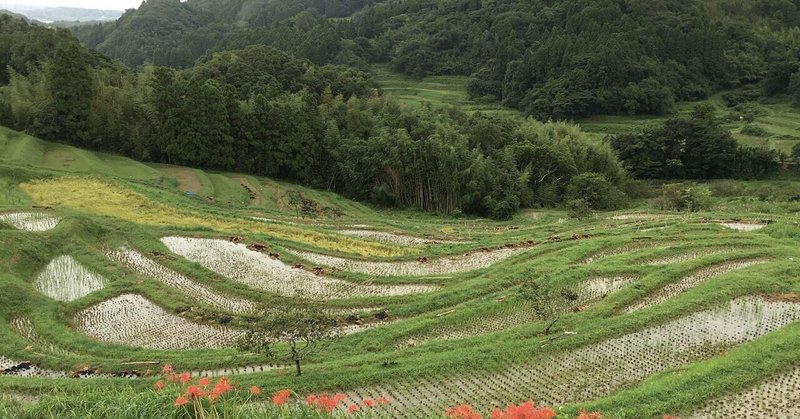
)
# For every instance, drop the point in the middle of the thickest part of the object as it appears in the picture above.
(85, 4)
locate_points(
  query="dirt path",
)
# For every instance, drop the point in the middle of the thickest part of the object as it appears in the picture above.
(187, 179)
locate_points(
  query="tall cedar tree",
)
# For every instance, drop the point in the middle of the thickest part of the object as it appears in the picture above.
(71, 85)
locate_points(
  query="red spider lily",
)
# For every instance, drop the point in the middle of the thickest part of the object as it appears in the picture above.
(281, 396)
(203, 382)
(171, 378)
(324, 401)
(592, 415)
(311, 399)
(352, 408)
(525, 410)
(167, 369)
(671, 417)
(463, 411)
(158, 385)
(180, 401)
(194, 392)
(184, 377)
(220, 388)
(368, 402)
(254, 390)
(382, 400)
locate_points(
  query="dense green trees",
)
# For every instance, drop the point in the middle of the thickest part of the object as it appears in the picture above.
(71, 85)
(262, 111)
(556, 59)
(692, 148)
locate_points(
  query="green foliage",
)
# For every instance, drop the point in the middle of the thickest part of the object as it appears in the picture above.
(261, 111)
(687, 196)
(303, 329)
(553, 60)
(578, 208)
(698, 147)
(754, 130)
(547, 301)
(596, 191)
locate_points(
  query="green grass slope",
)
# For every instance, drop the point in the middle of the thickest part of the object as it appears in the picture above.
(471, 337)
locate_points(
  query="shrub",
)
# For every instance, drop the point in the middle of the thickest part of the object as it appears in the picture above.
(686, 196)
(596, 191)
(754, 130)
(727, 188)
(635, 188)
(742, 95)
(578, 208)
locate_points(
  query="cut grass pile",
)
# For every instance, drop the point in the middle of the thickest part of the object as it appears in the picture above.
(30, 221)
(65, 279)
(103, 198)
(260, 271)
(133, 320)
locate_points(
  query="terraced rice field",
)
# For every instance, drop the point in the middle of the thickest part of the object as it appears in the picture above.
(625, 249)
(133, 320)
(65, 279)
(688, 256)
(24, 326)
(508, 314)
(260, 271)
(385, 237)
(744, 226)
(440, 266)
(692, 280)
(419, 321)
(144, 266)
(30, 221)
(595, 370)
(778, 396)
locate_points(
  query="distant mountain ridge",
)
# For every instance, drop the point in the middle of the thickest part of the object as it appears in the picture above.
(66, 14)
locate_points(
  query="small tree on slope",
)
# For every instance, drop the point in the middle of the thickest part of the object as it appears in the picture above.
(304, 330)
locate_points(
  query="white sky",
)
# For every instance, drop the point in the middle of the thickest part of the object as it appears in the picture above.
(85, 4)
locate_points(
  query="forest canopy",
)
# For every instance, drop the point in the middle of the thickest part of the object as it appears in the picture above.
(260, 110)
(558, 59)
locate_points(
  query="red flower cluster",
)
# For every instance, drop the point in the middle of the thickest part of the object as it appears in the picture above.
(281, 396)
(463, 411)
(324, 401)
(219, 389)
(525, 410)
